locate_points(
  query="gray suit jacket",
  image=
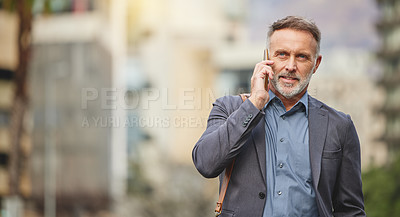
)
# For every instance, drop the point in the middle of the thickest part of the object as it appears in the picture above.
(235, 130)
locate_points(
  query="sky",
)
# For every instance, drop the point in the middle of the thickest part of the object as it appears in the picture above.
(345, 23)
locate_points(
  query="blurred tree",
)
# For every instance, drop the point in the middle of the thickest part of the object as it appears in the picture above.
(382, 190)
(23, 9)
(389, 28)
(381, 185)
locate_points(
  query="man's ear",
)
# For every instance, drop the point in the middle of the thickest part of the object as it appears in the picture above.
(319, 59)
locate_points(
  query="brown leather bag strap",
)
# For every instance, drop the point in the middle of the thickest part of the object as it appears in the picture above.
(227, 176)
(224, 186)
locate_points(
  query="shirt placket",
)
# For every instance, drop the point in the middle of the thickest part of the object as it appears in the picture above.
(282, 143)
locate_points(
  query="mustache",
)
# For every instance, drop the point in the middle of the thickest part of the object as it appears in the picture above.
(287, 74)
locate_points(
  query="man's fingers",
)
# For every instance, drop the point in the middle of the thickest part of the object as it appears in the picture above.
(267, 62)
(265, 72)
(264, 63)
(271, 74)
(261, 72)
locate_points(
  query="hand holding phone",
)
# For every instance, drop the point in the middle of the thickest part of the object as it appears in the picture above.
(259, 88)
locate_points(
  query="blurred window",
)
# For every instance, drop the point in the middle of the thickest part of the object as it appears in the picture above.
(238, 80)
(4, 118)
(6, 74)
(63, 6)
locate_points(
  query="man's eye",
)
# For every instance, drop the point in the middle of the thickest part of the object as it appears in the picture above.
(281, 54)
(302, 56)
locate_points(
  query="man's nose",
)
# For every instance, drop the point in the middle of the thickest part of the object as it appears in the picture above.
(291, 64)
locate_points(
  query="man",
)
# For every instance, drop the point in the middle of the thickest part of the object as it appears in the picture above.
(294, 155)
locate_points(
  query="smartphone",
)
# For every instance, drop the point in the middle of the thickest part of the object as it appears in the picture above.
(266, 57)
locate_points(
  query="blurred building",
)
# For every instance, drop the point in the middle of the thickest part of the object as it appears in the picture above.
(5, 106)
(176, 43)
(77, 166)
(8, 65)
(389, 56)
(8, 62)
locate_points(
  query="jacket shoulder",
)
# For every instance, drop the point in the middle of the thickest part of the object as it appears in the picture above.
(317, 104)
(229, 102)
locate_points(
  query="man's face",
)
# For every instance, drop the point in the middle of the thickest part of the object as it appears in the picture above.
(295, 60)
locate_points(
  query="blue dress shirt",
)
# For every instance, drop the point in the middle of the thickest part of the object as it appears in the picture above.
(288, 171)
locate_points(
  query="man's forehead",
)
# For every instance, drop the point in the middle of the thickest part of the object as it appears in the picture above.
(292, 37)
(292, 34)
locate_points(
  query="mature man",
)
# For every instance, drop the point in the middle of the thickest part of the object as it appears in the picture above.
(294, 155)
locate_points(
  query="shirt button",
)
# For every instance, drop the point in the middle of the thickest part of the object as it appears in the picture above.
(281, 139)
(261, 195)
(279, 192)
(280, 165)
(283, 117)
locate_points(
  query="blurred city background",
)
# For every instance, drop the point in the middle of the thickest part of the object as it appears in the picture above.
(102, 101)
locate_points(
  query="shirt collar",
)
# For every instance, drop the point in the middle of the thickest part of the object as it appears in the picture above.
(303, 100)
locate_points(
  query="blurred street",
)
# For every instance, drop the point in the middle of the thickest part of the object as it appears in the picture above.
(101, 101)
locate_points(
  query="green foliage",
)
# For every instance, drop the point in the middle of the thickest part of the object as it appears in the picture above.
(8, 5)
(11, 5)
(381, 188)
(137, 183)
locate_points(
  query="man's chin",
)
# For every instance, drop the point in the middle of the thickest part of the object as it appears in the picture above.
(285, 89)
(289, 92)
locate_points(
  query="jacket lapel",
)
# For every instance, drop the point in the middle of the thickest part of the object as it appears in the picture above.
(317, 123)
(258, 135)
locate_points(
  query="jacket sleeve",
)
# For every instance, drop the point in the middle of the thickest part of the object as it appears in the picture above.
(229, 125)
(348, 199)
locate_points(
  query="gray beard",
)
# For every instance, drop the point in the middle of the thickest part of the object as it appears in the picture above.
(302, 84)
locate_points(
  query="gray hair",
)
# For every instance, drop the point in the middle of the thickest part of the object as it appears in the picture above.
(296, 23)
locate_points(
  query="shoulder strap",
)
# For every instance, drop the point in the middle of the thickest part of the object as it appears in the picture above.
(227, 176)
(244, 96)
